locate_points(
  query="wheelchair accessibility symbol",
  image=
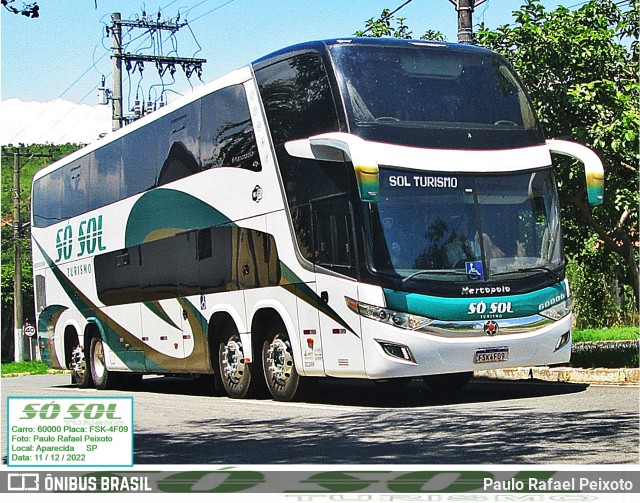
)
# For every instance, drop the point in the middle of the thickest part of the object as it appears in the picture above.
(474, 270)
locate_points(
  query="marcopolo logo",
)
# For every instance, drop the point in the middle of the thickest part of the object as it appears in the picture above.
(492, 290)
(89, 240)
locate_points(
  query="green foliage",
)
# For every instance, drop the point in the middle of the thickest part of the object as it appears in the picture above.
(384, 27)
(581, 69)
(590, 288)
(32, 367)
(631, 333)
(29, 166)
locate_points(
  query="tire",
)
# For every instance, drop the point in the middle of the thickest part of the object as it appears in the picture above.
(283, 381)
(102, 378)
(239, 379)
(447, 382)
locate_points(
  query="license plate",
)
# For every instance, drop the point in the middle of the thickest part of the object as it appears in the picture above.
(489, 355)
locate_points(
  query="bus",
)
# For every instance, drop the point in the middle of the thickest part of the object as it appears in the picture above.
(350, 208)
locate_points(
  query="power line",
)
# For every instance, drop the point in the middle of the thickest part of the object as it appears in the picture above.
(57, 98)
(217, 8)
(107, 51)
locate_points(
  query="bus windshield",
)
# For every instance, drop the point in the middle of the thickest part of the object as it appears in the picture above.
(449, 227)
(425, 96)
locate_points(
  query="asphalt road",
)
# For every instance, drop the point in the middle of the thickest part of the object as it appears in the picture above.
(351, 422)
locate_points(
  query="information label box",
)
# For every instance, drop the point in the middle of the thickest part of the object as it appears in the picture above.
(62, 431)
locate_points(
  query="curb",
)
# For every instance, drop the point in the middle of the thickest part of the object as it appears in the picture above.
(547, 374)
(566, 375)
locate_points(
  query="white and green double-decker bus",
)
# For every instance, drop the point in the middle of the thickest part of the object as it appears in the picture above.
(364, 208)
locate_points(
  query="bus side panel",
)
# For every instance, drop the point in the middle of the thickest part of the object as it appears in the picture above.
(120, 354)
(340, 327)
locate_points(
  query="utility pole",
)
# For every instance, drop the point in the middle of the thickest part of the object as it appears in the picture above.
(116, 115)
(18, 311)
(465, 19)
(18, 340)
(163, 63)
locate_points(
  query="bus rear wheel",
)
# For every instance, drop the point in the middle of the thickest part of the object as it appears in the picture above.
(283, 381)
(101, 376)
(236, 373)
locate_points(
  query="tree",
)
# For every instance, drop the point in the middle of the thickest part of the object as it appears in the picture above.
(29, 168)
(581, 69)
(383, 27)
(28, 10)
(31, 10)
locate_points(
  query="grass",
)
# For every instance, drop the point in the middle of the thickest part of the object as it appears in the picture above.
(23, 367)
(606, 334)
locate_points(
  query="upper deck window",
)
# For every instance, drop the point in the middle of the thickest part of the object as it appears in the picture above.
(297, 98)
(438, 97)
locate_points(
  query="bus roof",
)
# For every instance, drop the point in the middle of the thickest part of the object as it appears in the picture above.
(322, 45)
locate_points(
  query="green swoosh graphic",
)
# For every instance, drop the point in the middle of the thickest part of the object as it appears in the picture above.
(113, 329)
(155, 307)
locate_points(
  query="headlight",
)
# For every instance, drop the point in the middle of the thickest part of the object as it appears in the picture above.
(384, 315)
(558, 311)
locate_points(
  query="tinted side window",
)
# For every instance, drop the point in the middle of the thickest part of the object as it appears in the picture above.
(297, 98)
(106, 175)
(75, 199)
(140, 160)
(217, 259)
(317, 193)
(179, 147)
(226, 132)
(333, 232)
(47, 199)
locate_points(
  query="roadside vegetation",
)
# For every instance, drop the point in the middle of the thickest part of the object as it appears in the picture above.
(606, 334)
(17, 368)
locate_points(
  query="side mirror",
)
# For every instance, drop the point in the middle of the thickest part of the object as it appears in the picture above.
(339, 147)
(593, 169)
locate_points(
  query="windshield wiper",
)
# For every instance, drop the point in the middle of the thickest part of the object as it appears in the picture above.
(438, 272)
(543, 268)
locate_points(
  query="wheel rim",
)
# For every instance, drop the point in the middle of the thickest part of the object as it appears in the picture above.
(78, 363)
(279, 361)
(98, 360)
(232, 360)
(81, 369)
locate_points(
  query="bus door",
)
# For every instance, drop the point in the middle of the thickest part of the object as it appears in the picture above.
(335, 256)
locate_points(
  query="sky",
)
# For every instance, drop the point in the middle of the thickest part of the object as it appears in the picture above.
(51, 67)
